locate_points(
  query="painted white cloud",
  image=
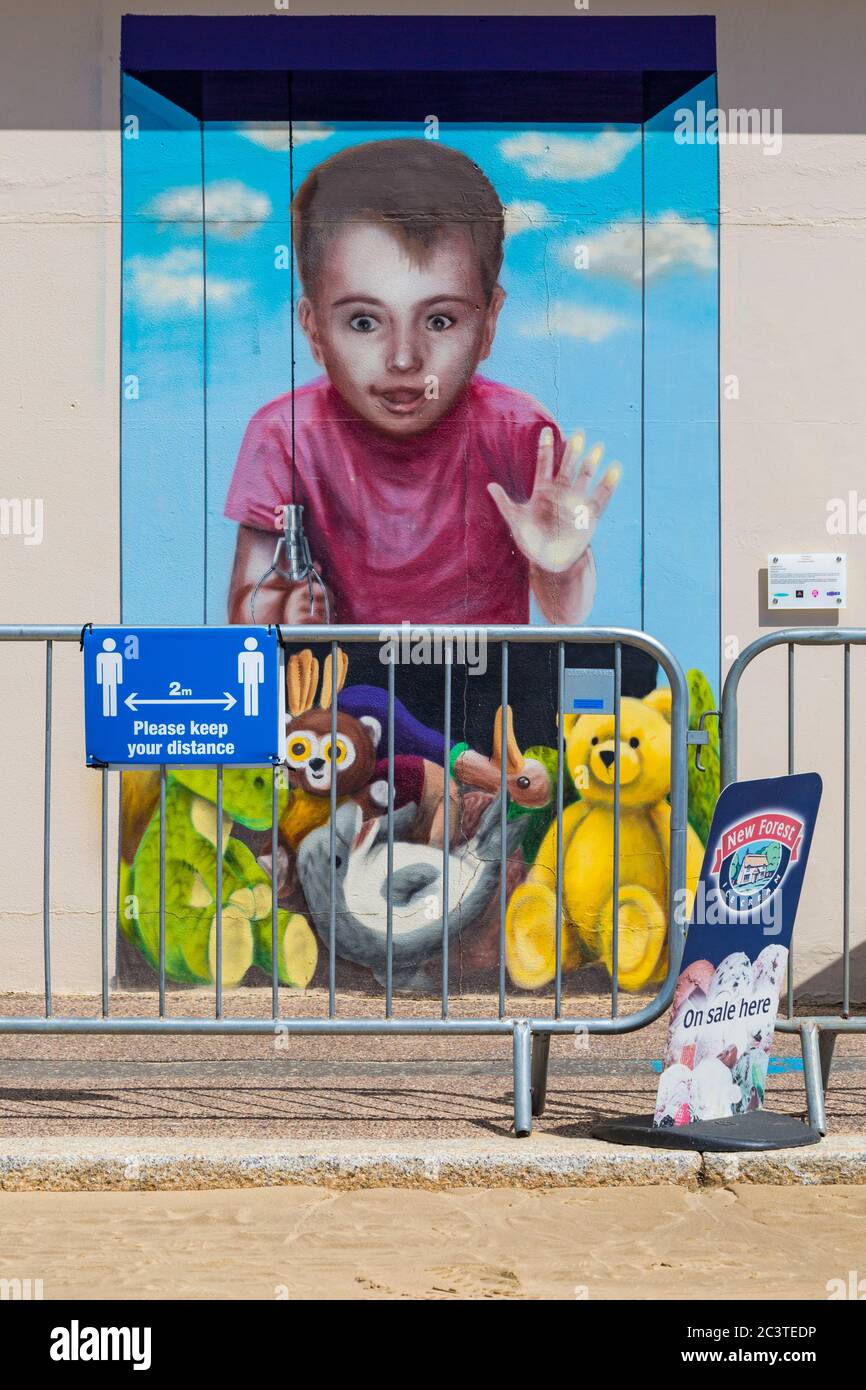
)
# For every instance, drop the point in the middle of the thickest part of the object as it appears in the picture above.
(525, 215)
(175, 281)
(671, 243)
(566, 320)
(568, 157)
(275, 134)
(234, 210)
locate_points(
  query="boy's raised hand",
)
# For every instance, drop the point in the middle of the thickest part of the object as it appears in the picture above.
(555, 527)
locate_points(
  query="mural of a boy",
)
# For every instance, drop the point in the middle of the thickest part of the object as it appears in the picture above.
(431, 493)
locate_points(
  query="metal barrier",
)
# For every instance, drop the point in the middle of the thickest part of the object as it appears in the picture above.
(817, 1032)
(530, 1034)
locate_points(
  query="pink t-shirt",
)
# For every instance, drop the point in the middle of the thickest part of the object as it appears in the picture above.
(402, 529)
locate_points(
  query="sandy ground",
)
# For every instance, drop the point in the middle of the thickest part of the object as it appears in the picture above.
(308, 1243)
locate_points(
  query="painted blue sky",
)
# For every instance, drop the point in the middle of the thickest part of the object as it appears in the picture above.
(584, 341)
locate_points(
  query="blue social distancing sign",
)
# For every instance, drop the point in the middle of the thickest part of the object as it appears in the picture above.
(183, 696)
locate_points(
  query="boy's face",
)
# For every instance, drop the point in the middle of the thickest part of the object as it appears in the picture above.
(399, 338)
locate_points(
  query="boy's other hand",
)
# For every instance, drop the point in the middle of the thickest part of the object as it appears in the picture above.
(555, 527)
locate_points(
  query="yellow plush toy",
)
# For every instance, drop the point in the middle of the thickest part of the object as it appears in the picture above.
(587, 860)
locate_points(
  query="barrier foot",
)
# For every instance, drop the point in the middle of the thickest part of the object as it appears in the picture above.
(813, 1076)
(752, 1132)
(522, 1042)
(540, 1058)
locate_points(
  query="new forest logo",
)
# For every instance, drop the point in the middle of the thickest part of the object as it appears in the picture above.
(753, 856)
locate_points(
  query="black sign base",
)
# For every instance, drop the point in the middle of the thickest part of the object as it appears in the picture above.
(757, 1129)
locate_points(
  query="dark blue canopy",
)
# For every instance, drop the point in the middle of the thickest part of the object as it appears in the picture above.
(574, 68)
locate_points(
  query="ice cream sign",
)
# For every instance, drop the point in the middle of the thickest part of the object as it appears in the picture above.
(736, 953)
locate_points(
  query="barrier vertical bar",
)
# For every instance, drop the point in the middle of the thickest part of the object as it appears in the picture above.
(389, 901)
(332, 915)
(846, 838)
(448, 654)
(46, 833)
(162, 890)
(560, 784)
(617, 687)
(679, 819)
(219, 892)
(275, 846)
(790, 988)
(790, 708)
(104, 906)
(522, 1053)
(812, 1078)
(503, 835)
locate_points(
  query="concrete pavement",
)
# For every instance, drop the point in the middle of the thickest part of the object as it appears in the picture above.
(258, 1110)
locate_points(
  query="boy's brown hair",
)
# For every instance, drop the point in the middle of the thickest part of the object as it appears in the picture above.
(418, 189)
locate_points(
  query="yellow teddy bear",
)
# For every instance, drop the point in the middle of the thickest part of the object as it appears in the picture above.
(587, 862)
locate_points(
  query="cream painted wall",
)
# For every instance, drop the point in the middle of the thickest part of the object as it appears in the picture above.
(793, 309)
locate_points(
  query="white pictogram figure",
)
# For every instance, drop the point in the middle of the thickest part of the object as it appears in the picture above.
(251, 673)
(109, 674)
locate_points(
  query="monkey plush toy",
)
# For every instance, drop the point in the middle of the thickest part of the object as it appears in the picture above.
(308, 746)
(310, 759)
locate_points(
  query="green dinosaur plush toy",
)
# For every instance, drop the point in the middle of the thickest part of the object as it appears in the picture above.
(190, 885)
